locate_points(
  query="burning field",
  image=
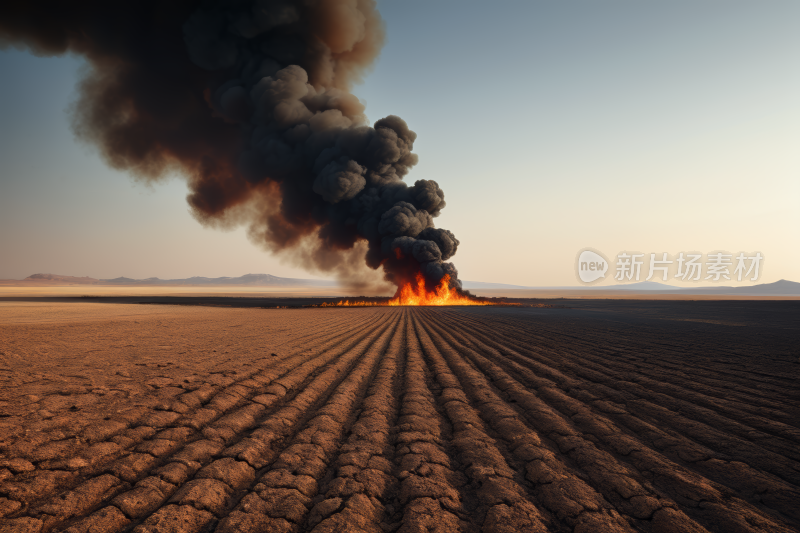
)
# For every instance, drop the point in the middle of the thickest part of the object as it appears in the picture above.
(636, 416)
(432, 411)
(417, 294)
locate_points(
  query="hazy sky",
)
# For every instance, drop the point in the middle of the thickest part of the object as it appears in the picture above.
(551, 127)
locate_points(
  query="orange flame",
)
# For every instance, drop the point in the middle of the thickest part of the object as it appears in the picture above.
(408, 294)
(417, 294)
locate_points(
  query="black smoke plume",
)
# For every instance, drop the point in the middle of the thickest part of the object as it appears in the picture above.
(249, 99)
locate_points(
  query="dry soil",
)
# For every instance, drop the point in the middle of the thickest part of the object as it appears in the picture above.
(636, 417)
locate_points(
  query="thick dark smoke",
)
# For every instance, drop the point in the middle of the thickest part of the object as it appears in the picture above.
(249, 99)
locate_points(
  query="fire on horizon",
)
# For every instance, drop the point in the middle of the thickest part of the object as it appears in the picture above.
(414, 294)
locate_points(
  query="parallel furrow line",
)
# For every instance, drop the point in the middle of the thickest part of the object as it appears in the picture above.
(356, 498)
(191, 441)
(674, 411)
(681, 486)
(572, 501)
(431, 494)
(286, 488)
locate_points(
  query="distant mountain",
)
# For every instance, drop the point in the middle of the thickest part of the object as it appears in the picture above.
(122, 281)
(778, 288)
(58, 278)
(248, 280)
(640, 286)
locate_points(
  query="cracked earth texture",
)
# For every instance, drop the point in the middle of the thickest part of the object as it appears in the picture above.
(638, 417)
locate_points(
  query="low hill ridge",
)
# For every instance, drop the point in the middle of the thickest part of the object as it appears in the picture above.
(781, 287)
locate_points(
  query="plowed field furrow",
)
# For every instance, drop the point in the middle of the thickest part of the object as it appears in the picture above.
(710, 372)
(736, 380)
(432, 488)
(601, 360)
(765, 451)
(674, 443)
(686, 418)
(503, 495)
(730, 365)
(288, 480)
(651, 417)
(144, 499)
(202, 493)
(579, 506)
(768, 427)
(708, 376)
(586, 345)
(770, 435)
(563, 336)
(356, 493)
(615, 474)
(755, 411)
(190, 442)
(48, 456)
(755, 486)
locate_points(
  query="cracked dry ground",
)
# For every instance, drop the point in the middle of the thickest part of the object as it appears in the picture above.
(165, 419)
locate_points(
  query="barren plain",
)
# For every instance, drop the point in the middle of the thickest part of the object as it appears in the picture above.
(593, 417)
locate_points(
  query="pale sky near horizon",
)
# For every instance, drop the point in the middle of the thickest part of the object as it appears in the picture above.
(552, 127)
